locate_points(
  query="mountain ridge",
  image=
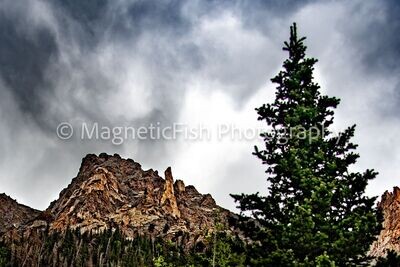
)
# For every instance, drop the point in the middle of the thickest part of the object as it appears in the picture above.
(14, 213)
(112, 193)
(389, 237)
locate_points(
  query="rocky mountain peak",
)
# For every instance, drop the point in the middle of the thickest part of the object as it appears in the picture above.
(389, 237)
(389, 197)
(110, 193)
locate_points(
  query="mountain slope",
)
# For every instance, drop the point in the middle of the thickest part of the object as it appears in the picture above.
(114, 194)
(13, 214)
(389, 238)
(111, 191)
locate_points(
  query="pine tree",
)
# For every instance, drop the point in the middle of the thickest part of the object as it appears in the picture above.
(316, 212)
(5, 255)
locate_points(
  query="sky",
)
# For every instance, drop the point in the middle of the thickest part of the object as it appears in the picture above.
(198, 64)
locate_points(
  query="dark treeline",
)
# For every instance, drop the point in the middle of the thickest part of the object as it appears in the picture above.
(112, 248)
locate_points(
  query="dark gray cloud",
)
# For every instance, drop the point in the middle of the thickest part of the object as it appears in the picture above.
(131, 63)
(379, 41)
(26, 51)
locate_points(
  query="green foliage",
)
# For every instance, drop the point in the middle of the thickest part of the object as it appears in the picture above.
(5, 255)
(324, 261)
(220, 250)
(108, 248)
(223, 250)
(112, 248)
(160, 262)
(226, 251)
(316, 212)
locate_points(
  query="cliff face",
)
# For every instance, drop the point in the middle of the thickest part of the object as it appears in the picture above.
(13, 214)
(113, 193)
(389, 238)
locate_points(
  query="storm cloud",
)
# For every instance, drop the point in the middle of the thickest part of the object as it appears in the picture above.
(133, 63)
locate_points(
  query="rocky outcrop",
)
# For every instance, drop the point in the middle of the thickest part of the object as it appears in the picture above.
(113, 193)
(168, 199)
(13, 214)
(389, 238)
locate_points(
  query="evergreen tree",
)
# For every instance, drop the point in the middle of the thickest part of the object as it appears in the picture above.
(5, 255)
(316, 212)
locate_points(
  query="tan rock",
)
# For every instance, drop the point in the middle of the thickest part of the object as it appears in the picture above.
(168, 199)
(110, 192)
(179, 186)
(389, 238)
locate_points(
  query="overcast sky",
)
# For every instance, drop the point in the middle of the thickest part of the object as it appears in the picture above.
(133, 63)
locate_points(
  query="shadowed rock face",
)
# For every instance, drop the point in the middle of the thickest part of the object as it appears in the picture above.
(110, 192)
(389, 238)
(13, 214)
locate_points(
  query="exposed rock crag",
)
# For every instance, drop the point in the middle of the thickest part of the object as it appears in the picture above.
(13, 214)
(389, 238)
(114, 193)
